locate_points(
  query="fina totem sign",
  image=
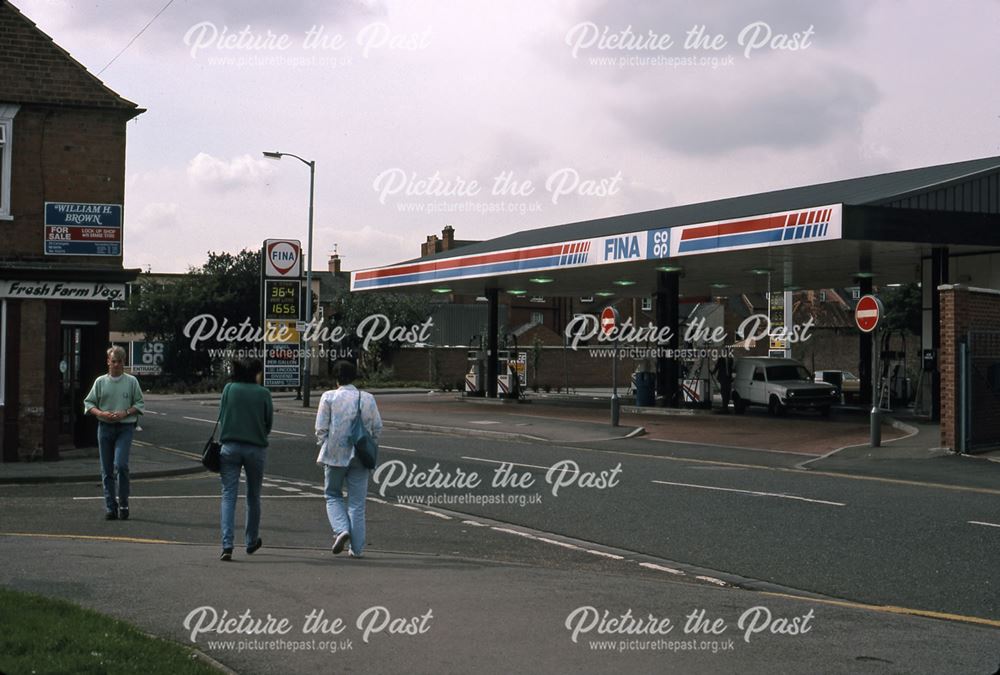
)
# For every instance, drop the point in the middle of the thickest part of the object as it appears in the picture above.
(282, 310)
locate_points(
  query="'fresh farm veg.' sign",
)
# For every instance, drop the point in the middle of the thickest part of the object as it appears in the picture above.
(83, 229)
(61, 290)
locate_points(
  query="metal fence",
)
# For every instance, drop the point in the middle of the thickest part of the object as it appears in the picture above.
(979, 392)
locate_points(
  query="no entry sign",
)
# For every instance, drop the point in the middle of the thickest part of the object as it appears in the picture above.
(868, 313)
(609, 319)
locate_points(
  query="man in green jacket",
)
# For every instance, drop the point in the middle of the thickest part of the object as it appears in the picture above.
(116, 401)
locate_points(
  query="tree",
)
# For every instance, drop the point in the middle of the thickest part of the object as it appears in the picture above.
(403, 312)
(226, 289)
(903, 308)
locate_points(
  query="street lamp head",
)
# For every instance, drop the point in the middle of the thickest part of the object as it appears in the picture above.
(272, 155)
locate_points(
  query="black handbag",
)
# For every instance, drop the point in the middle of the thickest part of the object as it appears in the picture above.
(365, 447)
(211, 455)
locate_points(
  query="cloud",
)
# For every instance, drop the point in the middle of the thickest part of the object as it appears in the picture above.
(125, 19)
(833, 20)
(791, 109)
(216, 174)
(162, 216)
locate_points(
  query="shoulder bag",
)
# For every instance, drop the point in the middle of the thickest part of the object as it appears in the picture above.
(365, 447)
(211, 455)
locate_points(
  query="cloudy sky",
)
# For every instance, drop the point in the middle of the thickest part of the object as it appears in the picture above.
(496, 117)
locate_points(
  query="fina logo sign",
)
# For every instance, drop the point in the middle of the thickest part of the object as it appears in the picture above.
(283, 258)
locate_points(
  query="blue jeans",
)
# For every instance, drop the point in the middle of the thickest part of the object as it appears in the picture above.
(251, 458)
(351, 518)
(114, 442)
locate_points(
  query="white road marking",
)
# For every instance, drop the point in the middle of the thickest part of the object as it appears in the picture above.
(291, 482)
(561, 543)
(713, 580)
(727, 447)
(661, 568)
(510, 531)
(273, 431)
(392, 447)
(288, 489)
(979, 522)
(473, 523)
(751, 492)
(407, 507)
(437, 515)
(605, 554)
(497, 461)
(483, 422)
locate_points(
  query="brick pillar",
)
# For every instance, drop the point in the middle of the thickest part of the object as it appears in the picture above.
(951, 304)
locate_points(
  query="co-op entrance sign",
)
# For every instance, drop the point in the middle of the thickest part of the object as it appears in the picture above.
(282, 310)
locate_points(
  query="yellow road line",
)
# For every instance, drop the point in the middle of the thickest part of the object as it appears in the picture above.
(129, 540)
(890, 609)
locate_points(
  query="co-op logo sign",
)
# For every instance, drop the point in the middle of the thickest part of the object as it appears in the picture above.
(630, 246)
(283, 258)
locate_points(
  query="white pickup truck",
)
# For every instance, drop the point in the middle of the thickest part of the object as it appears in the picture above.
(779, 384)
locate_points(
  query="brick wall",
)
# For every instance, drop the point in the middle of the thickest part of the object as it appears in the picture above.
(61, 155)
(964, 309)
(31, 380)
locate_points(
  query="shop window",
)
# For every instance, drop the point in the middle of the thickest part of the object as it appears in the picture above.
(7, 112)
(647, 304)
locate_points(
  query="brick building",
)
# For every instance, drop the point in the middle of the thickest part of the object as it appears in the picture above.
(62, 189)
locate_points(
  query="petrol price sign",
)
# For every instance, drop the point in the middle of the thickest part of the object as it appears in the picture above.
(281, 299)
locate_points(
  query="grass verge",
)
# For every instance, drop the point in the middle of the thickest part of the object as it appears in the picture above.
(40, 635)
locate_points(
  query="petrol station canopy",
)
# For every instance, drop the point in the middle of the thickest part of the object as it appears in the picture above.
(816, 236)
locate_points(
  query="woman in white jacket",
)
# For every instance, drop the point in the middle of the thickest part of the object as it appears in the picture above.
(337, 411)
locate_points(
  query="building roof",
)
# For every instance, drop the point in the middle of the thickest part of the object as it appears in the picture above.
(815, 236)
(900, 189)
(34, 69)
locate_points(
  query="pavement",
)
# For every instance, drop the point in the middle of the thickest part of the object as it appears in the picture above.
(910, 445)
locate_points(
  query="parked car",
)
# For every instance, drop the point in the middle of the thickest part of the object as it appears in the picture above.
(850, 385)
(779, 384)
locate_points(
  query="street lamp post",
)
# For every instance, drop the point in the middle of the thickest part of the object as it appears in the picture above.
(309, 266)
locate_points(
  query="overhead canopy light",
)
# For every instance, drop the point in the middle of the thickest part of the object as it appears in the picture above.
(541, 280)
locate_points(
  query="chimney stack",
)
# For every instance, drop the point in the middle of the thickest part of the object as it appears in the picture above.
(447, 238)
(333, 264)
